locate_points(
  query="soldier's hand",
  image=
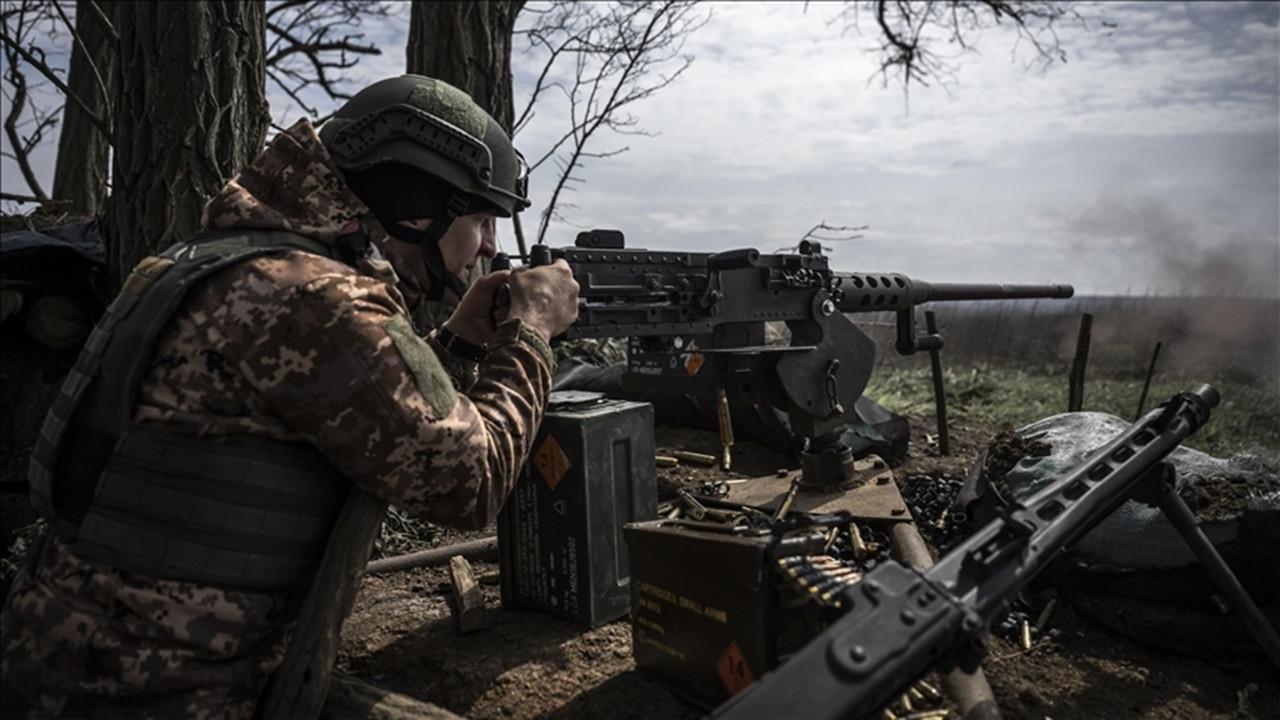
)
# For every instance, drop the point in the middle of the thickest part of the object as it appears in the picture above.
(544, 297)
(473, 320)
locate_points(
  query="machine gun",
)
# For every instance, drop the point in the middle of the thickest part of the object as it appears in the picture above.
(899, 622)
(697, 325)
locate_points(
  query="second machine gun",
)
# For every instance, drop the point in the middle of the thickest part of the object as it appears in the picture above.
(697, 325)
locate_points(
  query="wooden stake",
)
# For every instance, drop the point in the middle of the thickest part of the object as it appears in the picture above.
(939, 392)
(1075, 393)
(1146, 385)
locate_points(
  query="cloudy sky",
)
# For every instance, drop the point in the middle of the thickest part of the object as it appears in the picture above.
(1148, 163)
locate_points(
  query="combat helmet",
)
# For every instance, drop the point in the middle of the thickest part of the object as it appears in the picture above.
(416, 147)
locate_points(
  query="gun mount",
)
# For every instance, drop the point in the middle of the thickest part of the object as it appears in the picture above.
(697, 324)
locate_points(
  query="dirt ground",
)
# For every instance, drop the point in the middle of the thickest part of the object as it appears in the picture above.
(403, 636)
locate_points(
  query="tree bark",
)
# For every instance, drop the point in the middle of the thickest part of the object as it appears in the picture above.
(190, 110)
(84, 153)
(468, 45)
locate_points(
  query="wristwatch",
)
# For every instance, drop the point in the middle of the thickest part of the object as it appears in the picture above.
(459, 347)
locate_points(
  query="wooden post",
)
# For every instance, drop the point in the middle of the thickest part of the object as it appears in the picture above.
(971, 692)
(299, 686)
(1146, 384)
(939, 392)
(1075, 393)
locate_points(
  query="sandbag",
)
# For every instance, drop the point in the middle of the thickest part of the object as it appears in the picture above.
(1138, 535)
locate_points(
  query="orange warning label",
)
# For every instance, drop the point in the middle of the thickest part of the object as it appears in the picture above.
(693, 362)
(733, 670)
(551, 461)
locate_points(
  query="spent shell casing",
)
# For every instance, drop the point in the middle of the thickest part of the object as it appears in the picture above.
(860, 549)
(929, 690)
(1025, 635)
(694, 457)
(832, 534)
(1045, 614)
(665, 461)
(726, 427)
(785, 507)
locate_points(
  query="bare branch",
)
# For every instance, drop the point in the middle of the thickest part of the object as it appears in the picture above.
(17, 21)
(107, 27)
(18, 198)
(813, 235)
(600, 59)
(43, 68)
(88, 56)
(910, 32)
(303, 52)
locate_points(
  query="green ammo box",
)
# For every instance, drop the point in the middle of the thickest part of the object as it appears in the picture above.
(560, 542)
(708, 617)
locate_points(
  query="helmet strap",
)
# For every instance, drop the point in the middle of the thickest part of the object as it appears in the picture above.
(428, 241)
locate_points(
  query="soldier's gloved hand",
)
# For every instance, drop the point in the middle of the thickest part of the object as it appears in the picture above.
(544, 297)
(473, 320)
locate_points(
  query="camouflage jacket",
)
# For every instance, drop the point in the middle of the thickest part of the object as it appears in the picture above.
(292, 346)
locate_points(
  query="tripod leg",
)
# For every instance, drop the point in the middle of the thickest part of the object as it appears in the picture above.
(1180, 515)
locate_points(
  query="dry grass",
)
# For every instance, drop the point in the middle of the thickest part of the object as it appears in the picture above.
(1009, 363)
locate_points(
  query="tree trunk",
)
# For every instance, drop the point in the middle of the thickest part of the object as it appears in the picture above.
(190, 111)
(84, 152)
(468, 45)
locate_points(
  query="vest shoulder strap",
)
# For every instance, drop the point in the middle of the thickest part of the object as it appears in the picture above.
(121, 347)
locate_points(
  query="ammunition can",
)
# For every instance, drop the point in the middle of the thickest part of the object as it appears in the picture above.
(560, 541)
(710, 611)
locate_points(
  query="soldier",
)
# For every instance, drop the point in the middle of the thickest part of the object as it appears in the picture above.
(244, 381)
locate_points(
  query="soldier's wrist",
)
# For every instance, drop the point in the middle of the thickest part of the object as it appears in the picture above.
(517, 331)
(460, 347)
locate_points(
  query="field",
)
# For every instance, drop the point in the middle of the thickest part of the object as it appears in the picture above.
(1007, 364)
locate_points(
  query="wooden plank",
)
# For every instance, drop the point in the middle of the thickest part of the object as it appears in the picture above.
(299, 686)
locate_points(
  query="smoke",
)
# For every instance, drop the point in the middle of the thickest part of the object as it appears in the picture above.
(1182, 254)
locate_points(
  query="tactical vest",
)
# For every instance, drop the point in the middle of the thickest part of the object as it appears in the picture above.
(238, 512)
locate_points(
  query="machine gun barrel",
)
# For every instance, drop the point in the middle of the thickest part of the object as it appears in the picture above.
(871, 292)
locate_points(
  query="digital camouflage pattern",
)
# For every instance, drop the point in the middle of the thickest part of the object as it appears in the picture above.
(292, 346)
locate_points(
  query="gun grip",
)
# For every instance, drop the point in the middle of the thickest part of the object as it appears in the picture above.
(539, 255)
